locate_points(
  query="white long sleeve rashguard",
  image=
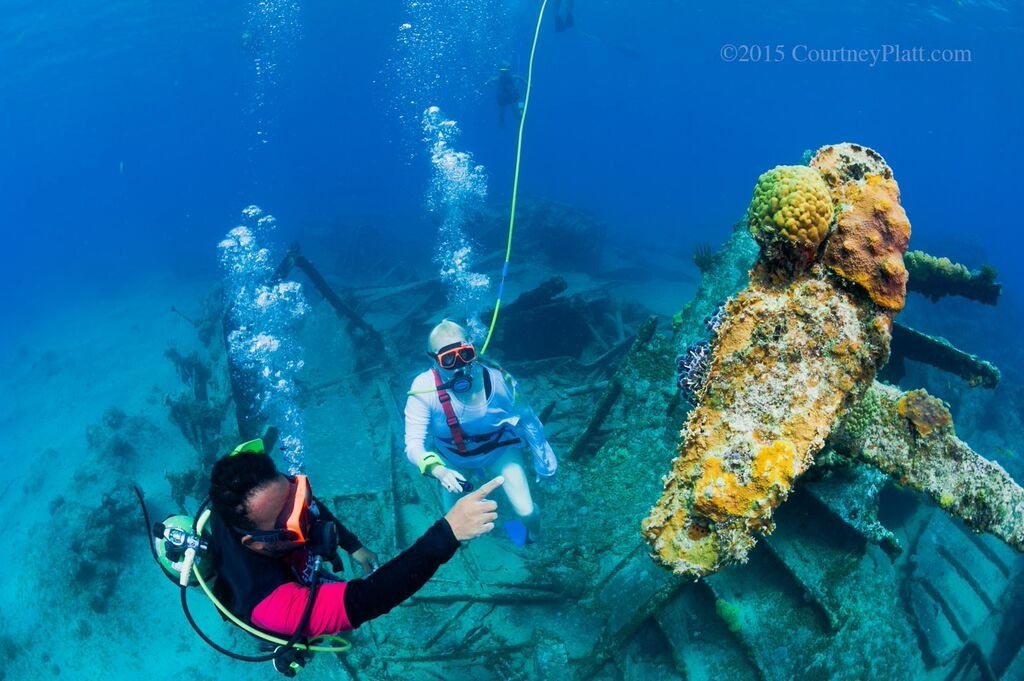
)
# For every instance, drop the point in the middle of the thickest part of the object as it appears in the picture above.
(498, 421)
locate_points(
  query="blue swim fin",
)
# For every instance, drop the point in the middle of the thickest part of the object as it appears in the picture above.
(517, 532)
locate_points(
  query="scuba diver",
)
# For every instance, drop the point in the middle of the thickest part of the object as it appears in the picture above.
(267, 530)
(469, 410)
(563, 18)
(508, 91)
(266, 540)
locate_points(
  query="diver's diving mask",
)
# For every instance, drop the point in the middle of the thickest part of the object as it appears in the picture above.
(456, 360)
(455, 355)
(298, 524)
(295, 520)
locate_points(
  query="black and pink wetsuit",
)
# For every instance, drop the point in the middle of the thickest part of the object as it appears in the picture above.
(271, 593)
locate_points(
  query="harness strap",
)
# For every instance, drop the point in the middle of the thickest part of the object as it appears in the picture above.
(458, 435)
(491, 446)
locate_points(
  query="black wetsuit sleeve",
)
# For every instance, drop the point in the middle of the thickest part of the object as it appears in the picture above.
(400, 577)
(347, 540)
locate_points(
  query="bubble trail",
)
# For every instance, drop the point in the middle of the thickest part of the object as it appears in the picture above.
(458, 186)
(264, 316)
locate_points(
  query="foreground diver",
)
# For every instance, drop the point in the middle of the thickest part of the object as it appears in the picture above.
(471, 412)
(267, 530)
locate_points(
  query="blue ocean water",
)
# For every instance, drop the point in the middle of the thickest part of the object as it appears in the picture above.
(131, 124)
(135, 132)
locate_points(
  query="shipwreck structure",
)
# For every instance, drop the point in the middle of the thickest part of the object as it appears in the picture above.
(796, 543)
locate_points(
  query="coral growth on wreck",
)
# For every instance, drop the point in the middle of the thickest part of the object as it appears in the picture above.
(940, 277)
(870, 240)
(909, 436)
(925, 412)
(791, 369)
(794, 349)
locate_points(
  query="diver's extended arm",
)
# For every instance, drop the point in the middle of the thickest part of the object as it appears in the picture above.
(417, 423)
(400, 577)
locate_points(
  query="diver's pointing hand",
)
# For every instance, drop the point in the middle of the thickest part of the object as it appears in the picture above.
(487, 488)
(474, 514)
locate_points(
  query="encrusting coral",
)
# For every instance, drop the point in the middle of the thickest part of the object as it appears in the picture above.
(845, 165)
(910, 437)
(784, 362)
(794, 352)
(927, 413)
(939, 277)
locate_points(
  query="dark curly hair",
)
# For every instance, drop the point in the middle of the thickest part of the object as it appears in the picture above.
(232, 481)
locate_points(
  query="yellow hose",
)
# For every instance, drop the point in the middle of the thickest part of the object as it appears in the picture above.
(515, 177)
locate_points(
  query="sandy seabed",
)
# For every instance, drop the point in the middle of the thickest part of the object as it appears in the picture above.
(60, 373)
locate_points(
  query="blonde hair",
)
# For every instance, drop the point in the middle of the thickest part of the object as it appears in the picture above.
(446, 333)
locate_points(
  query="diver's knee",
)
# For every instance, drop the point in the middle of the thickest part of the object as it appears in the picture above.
(520, 498)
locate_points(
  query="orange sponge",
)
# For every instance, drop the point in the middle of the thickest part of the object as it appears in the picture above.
(869, 241)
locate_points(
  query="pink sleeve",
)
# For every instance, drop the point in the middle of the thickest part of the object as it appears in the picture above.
(281, 611)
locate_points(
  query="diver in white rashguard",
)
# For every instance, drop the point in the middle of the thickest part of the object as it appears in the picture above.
(470, 411)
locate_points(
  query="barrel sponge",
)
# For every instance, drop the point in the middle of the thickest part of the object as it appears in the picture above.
(791, 211)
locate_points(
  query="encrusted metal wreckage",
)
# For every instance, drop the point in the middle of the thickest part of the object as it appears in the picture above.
(793, 361)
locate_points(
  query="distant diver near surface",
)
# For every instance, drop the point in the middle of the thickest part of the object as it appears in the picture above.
(266, 539)
(563, 16)
(507, 92)
(565, 19)
(471, 411)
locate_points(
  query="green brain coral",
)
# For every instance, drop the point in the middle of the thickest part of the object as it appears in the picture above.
(791, 210)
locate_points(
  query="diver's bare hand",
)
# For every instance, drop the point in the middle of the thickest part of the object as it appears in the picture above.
(474, 514)
(367, 560)
(450, 480)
